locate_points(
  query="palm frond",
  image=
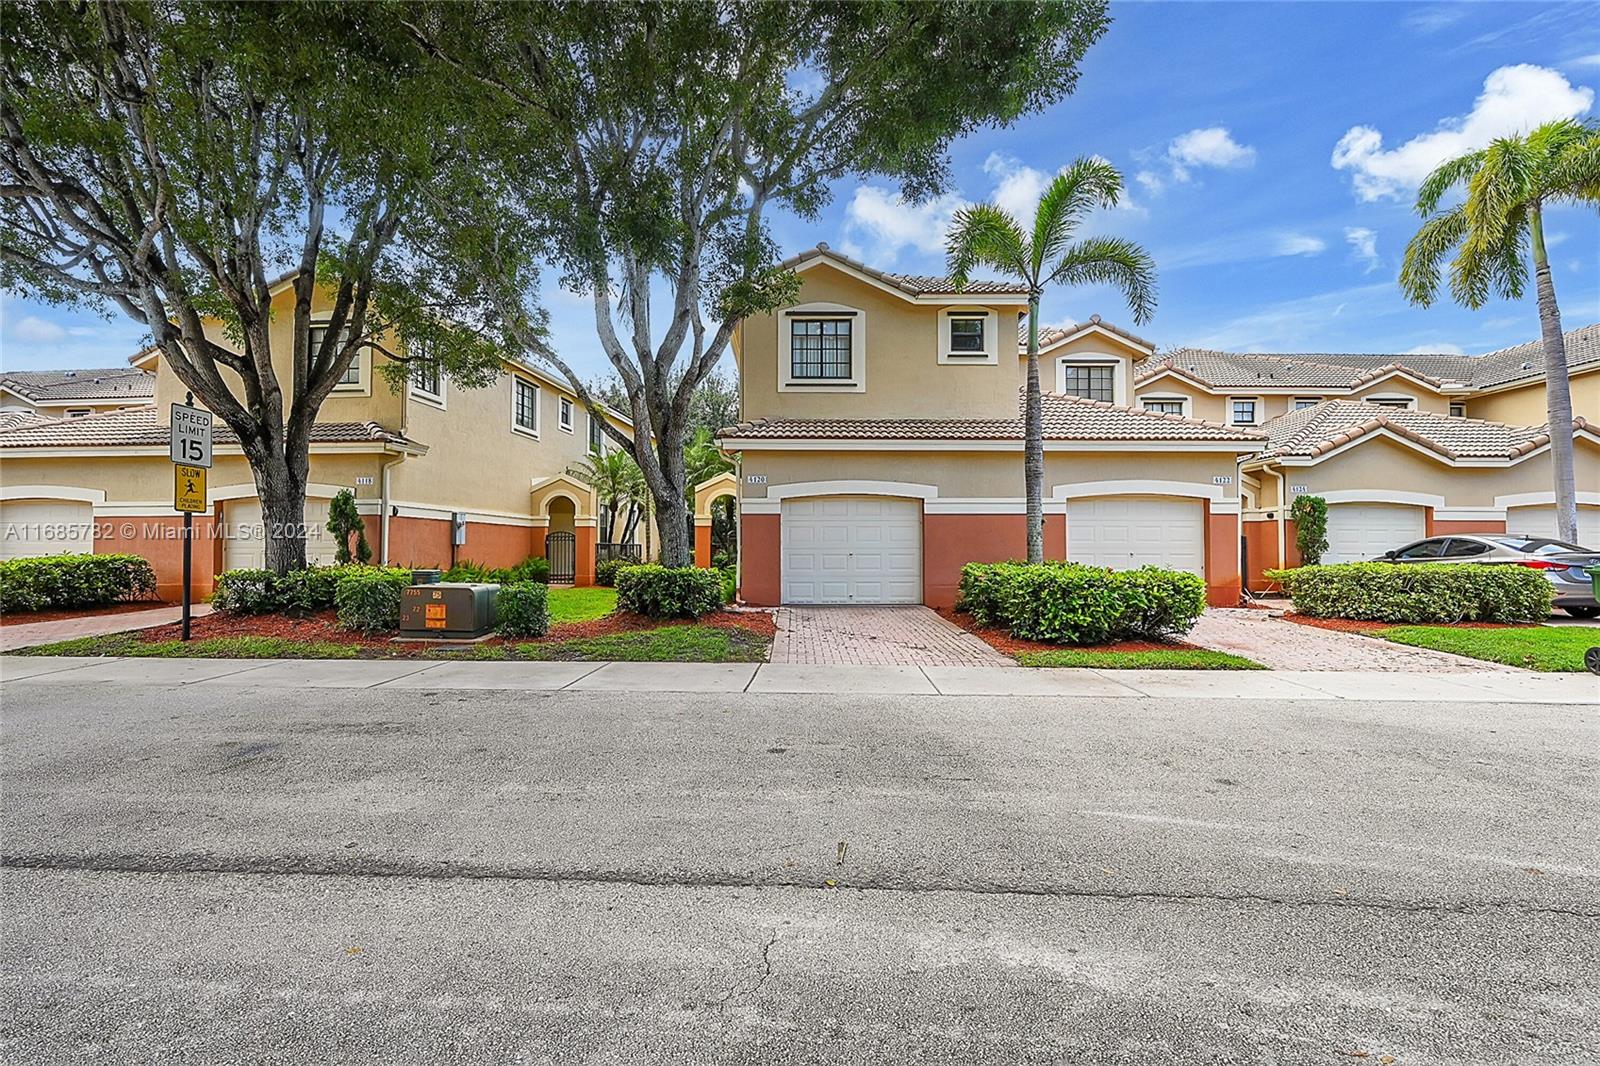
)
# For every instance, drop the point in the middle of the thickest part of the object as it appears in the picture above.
(1439, 235)
(1111, 261)
(1090, 182)
(1446, 176)
(985, 235)
(1574, 175)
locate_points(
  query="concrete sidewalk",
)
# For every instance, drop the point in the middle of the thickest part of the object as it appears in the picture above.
(1487, 686)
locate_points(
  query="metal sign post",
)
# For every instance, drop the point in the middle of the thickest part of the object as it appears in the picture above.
(191, 458)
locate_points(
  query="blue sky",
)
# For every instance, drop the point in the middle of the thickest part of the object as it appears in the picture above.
(1271, 152)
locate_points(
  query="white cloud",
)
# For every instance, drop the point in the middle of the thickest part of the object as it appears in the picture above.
(879, 224)
(31, 329)
(1591, 60)
(1436, 17)
(1364, 243)
(1299, 244)
(1436, 349)
(1305, 324)
(1514, 100)
(1017, 187)
(1209, 146)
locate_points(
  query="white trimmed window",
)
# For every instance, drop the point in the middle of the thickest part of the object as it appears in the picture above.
(524, 407)
(968, 335)
(1302, 402)
(1244, 410)
(1166, 405)
(79, 412)
(427, 382)
(351, 378)
(1092, 381)
(1458, 410)
(822, 347)
(564, 414)
(597, 437)
(1397, 400)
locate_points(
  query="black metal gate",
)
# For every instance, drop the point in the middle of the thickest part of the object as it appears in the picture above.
(561, 548)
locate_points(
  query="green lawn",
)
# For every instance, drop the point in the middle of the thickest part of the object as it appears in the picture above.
(129, 645)
(685, 643)
(1164, 659)
(1548, 648)
(581, 605)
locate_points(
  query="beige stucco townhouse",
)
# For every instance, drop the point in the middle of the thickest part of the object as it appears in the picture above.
(423, 460)
(1400, 446)
(881, 447)
(41, 395)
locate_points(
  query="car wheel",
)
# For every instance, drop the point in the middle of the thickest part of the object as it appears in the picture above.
(1591, 659)
(1582, 612)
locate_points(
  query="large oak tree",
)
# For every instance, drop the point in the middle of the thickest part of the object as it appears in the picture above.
(640, 148)
(178, 162)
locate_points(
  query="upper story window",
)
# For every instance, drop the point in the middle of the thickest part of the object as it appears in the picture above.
(597, 440)
(1165, 405)
(427, 381)
(564, 416)
(968, 335)
(1302, 402)
(1092, 381)
(524, 406)
(1244, 411)
(79, 412)
(1402, 403)
(1458, 410)
(822, 347)
(351, 378)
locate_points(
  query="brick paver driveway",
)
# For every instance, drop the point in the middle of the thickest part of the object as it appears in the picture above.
(877, 636)
(1290, 646)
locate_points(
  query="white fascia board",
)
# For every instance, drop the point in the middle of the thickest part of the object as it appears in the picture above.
(1414, 499)
(1139, 487)
(755, 444)
(1546, 498)
(1095, 329)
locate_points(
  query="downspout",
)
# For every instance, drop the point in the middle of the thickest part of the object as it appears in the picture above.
(383, 493)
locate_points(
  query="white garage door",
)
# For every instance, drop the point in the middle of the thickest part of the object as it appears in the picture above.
(852, 549)
(245, 546)
(30, 528)
(1124, 532)
(1541, 522)
(1359, 532)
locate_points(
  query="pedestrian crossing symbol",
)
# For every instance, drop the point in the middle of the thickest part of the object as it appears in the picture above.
(189, 487)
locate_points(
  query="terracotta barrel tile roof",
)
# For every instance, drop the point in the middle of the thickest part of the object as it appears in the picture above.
(115, 383)
(910, 284)
(1066, 418)
(146, 427)
(1320, 429)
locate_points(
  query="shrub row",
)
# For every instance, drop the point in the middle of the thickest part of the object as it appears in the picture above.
(68, 582)
(533, 568)
(298, 592)
(606, 571)
(368, 597)
(669, 592)
(1072, 603)
(1418, 592)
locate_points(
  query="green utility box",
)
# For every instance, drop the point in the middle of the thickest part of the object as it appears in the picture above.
(454, 610)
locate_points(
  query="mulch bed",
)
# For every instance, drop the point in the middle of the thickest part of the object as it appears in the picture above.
(324, 626)
(1358, 625)
(23, 618)
(1006, 644)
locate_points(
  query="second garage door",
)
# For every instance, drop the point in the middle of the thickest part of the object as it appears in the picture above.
(1124, 532)
(1541, 522)
(246, 545)
(852, 549)
(1359, 532)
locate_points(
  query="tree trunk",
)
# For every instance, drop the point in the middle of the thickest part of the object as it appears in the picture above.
(283, 512)
(1557, 387)
(1033, 440)
(672, 519)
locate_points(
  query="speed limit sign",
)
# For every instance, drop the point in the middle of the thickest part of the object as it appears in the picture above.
(191, 436)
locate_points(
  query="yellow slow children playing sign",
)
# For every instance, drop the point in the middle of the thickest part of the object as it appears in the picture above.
(188, 487)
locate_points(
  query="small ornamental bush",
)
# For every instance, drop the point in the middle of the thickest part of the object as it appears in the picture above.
(368, 597)
(72, 582)
(1073, 603)
(299, 592)
(669, 592)
(730, 582)
(605, 572)
(303, 592)
(246, 591)
(532, 568)
(1310, 516)
(1418, 592)
(522, 609)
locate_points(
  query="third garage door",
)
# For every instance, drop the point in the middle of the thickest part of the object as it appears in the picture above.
(1358, 532)
(1124, 532)
(852, 549)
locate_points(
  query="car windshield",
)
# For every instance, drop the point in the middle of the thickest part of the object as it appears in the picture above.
(1539, 545)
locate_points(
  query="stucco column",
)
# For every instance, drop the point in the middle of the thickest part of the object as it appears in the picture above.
(1222, 558)
(760, 559)
(702, 542)
(584, 540)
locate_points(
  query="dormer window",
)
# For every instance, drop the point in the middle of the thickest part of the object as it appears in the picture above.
(1092, 381)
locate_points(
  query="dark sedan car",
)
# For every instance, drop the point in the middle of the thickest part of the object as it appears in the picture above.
(1564, 565)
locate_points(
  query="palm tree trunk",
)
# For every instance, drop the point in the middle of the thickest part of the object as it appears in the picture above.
(1557, 387)
(1033, 440)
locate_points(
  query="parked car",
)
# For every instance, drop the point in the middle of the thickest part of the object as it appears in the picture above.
(1566, 566)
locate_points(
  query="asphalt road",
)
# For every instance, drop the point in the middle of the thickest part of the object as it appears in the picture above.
(389, 876)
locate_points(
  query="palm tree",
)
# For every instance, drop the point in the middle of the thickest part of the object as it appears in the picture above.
(618, 483)
(1508, 185)
(986, 235)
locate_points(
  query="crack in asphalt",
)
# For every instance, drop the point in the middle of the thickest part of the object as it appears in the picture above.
(369, 868)
(761, 976)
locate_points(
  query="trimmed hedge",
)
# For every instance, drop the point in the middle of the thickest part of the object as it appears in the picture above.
(669, 592)
(522, 609)
(299, 592)
(1418, 592)
(1072, 603)
(605, 572)
(368, 597)
(71, 582)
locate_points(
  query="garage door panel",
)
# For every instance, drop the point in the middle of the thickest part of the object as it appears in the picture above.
(245, 546)
(852, 550)
(1358, 532)
(1541, 522)
(32, 528)
(1124, 532)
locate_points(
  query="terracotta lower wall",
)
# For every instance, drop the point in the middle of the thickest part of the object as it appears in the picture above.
(419, 542)
(1261, 552)
(761, 559)
(1222, 559)
(950, 541)
(159, 538)
(702, 546)
(1437, 528)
